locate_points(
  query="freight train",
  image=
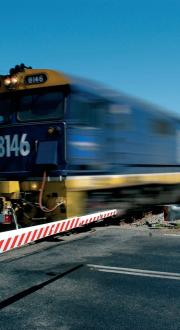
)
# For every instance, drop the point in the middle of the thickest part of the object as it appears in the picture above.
(70, 146)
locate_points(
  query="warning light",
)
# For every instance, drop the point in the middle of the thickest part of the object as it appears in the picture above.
(8, 219)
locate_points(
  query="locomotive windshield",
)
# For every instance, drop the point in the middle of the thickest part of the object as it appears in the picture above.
(5, 105)
(41, 106)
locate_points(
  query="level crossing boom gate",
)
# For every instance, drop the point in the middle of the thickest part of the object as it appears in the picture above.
(12, 239)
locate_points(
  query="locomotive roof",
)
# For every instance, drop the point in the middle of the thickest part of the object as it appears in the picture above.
(99, 90)
(103, 91)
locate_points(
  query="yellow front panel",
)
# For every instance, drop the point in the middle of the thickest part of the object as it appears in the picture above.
(9, 187)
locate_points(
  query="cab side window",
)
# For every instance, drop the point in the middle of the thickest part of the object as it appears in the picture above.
(5, 107)
(85, 111)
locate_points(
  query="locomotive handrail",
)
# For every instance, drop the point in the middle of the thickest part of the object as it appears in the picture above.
(17, 238)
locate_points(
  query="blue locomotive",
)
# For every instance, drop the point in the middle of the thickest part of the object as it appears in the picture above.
(69, 146)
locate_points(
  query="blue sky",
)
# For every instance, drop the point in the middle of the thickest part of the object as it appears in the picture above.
(131, 45)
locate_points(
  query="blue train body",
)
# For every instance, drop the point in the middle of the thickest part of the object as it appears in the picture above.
(99, 133)
(91, 140)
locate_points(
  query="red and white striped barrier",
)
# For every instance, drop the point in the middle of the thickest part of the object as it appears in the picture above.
(16, 238)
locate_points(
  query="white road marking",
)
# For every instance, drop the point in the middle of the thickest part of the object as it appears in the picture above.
(135, 272)
(175, 235)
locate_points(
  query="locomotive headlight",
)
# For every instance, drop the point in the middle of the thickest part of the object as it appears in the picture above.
(14, 80)
(10, 81)
(7, 81)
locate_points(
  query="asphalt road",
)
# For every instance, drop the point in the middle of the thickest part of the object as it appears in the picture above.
(106, 278)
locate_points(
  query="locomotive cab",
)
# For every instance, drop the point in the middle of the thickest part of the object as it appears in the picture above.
(32, 142)
(50, 129)
(31, 123)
